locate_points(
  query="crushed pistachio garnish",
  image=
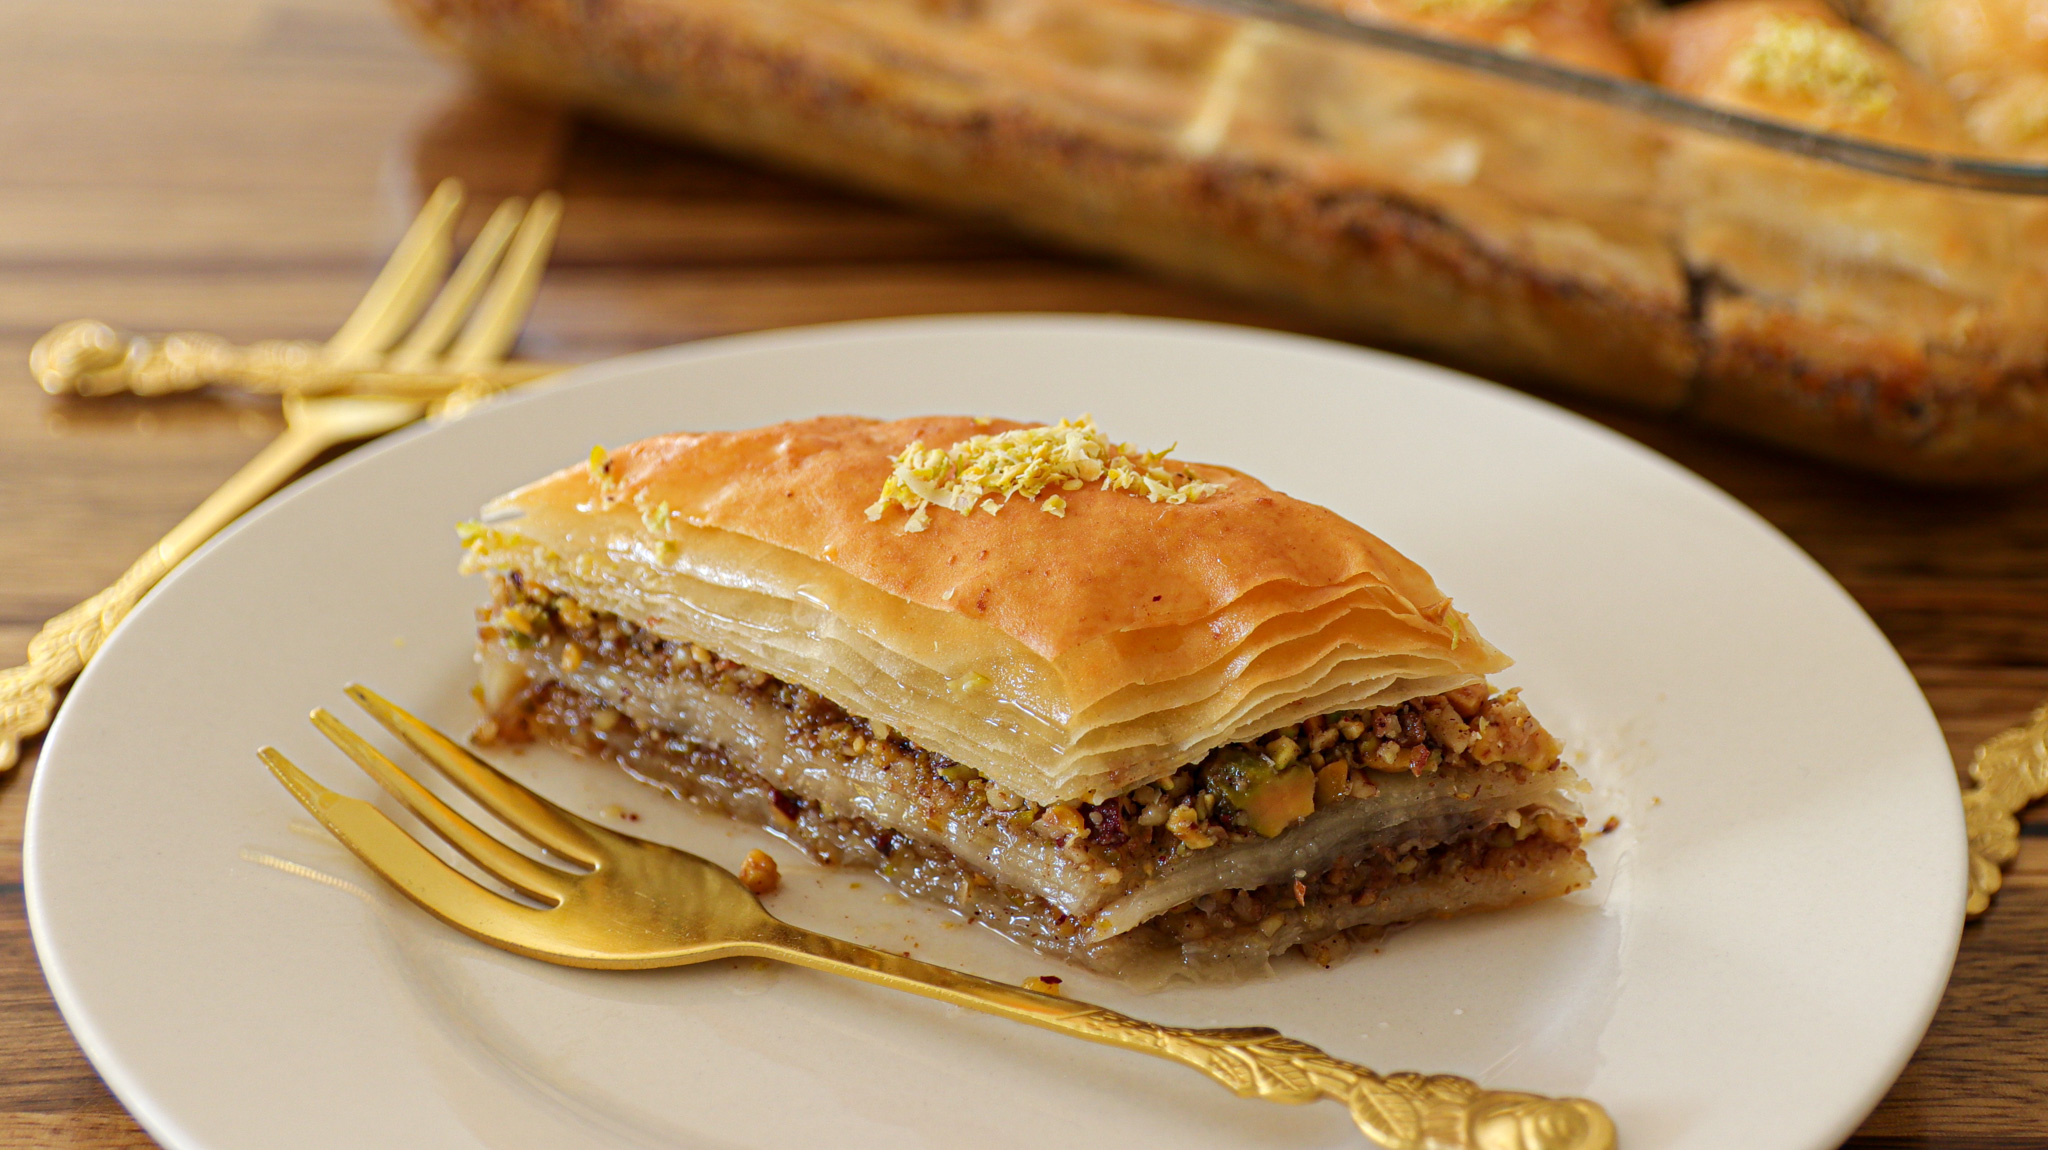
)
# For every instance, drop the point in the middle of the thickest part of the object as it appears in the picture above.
(1447, 617)
(1792, 57)
(601, 474)
(987, 471)
(475, 535)
(656, 517)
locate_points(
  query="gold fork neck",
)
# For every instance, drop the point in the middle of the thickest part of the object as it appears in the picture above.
(800, 947)
(1398, 1111)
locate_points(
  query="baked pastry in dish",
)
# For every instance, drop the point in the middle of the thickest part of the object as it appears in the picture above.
(1798, 60)
(1580, 33)
(1152, 717)
(1497, 225)
(1991, 55)
(1884, 274)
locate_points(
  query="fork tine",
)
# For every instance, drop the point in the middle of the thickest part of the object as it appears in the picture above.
(496, 324)
(400, 290)
(546, 824)
(446, 313)
(443, 891)
(440, 889)
(542, 882)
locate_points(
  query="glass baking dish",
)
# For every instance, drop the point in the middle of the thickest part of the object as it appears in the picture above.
(1865, 302)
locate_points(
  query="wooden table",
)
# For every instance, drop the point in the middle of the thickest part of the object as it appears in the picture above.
(241, 166)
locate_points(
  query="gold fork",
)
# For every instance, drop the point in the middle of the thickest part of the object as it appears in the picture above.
(610, 901)
(88, 358)
(424, 372)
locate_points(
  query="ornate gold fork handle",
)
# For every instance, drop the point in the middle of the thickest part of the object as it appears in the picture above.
(2011, 772)
(89, 358)
(1398, 1111)
(28, 693)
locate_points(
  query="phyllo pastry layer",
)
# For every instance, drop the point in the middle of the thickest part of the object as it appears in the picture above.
(1151, 716)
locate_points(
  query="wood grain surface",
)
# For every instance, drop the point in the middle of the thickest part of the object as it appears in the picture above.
(240, 166)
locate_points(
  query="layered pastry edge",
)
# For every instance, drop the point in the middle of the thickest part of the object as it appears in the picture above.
(1477, 810)
(1153, 717)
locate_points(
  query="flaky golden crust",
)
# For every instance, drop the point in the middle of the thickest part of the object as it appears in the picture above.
(1062, 655)
(1113, 564)
(1697, 49)
(1580, 33)
(1869, 403)
(1878, 325)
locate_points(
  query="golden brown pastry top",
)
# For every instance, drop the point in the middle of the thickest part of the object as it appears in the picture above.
(1578, 33)
(1062, 654)
(1798, 60)
(1114, 562)
(1969, 45)
(1991, 55)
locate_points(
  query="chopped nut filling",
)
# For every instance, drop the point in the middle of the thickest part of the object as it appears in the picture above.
(1238, 794)
(1211, 929)
(1361, 881)
(758, 872)
(1254, 789)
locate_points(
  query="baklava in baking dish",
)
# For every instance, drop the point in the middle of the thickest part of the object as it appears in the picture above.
(1529, 212)
(1152, 717)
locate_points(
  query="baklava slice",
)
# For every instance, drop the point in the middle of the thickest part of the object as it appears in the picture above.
(1151, 717)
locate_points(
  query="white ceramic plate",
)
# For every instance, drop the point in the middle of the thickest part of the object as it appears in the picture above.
(1774, 923)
